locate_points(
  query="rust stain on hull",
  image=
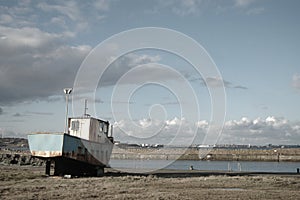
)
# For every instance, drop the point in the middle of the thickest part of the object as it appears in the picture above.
(46, 154)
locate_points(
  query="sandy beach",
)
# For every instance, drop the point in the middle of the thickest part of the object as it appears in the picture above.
(27, 182)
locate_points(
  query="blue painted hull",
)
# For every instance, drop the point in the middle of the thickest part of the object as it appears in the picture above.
(66, 147)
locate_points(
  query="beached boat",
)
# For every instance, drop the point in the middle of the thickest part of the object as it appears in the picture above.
(84, 149)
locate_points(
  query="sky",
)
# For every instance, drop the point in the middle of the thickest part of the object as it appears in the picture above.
(152, 95)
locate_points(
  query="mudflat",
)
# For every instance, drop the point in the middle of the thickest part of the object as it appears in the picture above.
(28, 182)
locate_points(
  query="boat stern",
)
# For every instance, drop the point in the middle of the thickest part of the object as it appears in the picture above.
(46, 145)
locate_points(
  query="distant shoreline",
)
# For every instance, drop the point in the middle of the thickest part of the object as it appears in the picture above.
(277, 155)
(282, 155)
(17, 149)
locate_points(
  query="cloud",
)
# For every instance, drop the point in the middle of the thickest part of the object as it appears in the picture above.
(126, 63)
(185, 8)
(243, 3)
(296, 81)
(180, 7)
(30, 113)
(257, 131)
(73, 15)
(173, 131)
(240, 87)
(261, 131)
(248, 7)
(59, 22)
(67, 8)
(216, 82)
(102, 5)
(6, 19)
(35, 64)
(17, 14)
(28, 40)
(54, 15)
(1, 111)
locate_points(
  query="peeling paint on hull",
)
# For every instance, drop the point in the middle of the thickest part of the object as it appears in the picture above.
(53, 146)
(46, 154)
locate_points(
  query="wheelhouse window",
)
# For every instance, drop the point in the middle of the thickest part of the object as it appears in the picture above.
(75, 125)
(105, 128)
(101, 126)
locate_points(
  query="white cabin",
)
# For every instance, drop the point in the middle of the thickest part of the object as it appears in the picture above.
(89, 128)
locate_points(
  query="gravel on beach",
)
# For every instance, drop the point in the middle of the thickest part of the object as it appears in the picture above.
(28, 182)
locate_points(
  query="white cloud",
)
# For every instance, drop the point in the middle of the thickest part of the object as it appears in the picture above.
(71, 16)
(18, 14)
(179, 7)
(22, 39)
(174, 121)
(145, 122)
(67, 8)
(296, 81)
(203, 124)
(261, 131)
(197, 7)
(244, 131)
(172, 131)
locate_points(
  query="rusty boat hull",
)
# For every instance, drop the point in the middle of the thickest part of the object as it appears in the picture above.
(71, 154)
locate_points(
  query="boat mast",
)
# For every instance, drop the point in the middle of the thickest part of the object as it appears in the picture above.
(111, 130)
(67, 91)
(85, 108)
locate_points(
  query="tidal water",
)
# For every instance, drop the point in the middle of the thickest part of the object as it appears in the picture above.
(244, 166)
